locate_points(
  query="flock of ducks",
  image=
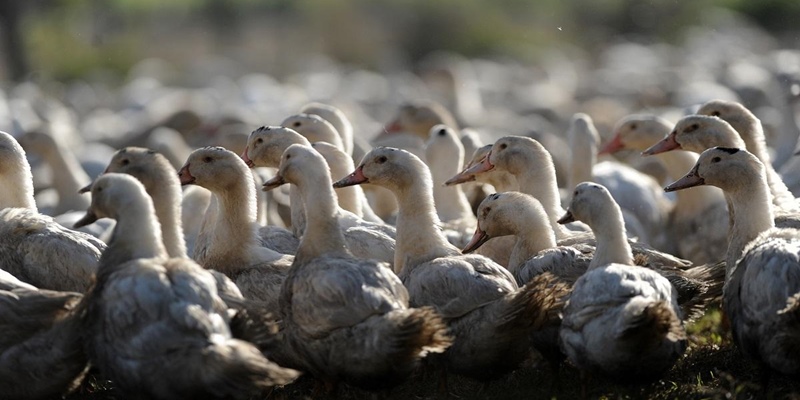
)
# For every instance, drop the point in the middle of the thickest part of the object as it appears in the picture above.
(360, 263)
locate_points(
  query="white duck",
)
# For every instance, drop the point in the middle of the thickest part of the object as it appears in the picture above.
(68, 175)
(160, 180)
(752, 133)
(531, 164)
(762, 292)
(492, 324)
(168, 336)
(638, 195)
(443, 154)
(229, 241)
(621, 320)
(698, 224)
(697, 133)
(365, 239)
(346, 318)
(33, 247)
(351, 198)
(337, 119)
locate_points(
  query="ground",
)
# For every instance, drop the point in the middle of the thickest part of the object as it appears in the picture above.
(712, 368)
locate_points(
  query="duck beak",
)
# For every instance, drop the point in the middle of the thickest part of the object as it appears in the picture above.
(613, 146)
(483, 166)
(87, 219)
(356, 178)
(478, 239)
(689, 180)
(86, 188)
(567, 218)
(185, 176)
(247, 159)
(276, 181)
(663, 146)
(461, 177)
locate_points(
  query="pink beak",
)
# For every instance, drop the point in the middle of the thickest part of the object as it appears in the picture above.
(185, 176)
(663, 146)
(247, 159)
(478, 239)
(613, 146)
(356, 178)
(393, 127)
(483, 166)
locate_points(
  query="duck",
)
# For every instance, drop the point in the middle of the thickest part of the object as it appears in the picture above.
(160, 179)
(491, 326)
(361, 241)
(314, 128)
(443, 152)
(68, 174)
(621, 321)
(346, 318)
(530, 163)
(645, 208)
(169, 338)
(698, 224)
(351, 198)
(263, 149)
(496, 248)
(33, 247)
(762, 289)
(697, 133)
(522, 218)
(749, 128)
(337, 118)
(228, 241)
(41, 352)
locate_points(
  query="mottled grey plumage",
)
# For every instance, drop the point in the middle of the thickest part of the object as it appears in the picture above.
(41, 352)
(45, 254)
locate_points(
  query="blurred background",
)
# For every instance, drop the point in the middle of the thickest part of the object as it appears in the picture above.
(257, 61)
(102, 39)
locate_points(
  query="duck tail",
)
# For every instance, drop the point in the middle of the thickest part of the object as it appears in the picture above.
(420, 332)
(238, 368)
(713, 275)
(536, 305)
(656, 322)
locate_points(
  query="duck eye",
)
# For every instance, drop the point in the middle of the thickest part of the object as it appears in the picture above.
(125, 161)
(715, 160)
(715, 114)
(381, 159)
(207, 159)
(297, 124)
(288, 156)
(633, 127)
(259, 140)
(575, 193)
(442, 132)
(503, 146)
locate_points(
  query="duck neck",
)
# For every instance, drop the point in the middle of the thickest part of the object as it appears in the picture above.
(137, 234)
(322, 235)
(540, 182)
(68, 175)
(753, 215)
(348, 197)
(584, 157)
(234, 233)
(451, 202)
(692, 201)
(168, 209)
(612, 242)
(18, 191)
(297, 211)
(533, 235)
(419, 235)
